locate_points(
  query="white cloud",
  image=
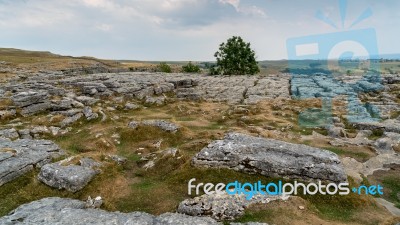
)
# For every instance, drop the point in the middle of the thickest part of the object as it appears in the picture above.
(168, 29)
(234, 3)
(99, 3)
(104, 27)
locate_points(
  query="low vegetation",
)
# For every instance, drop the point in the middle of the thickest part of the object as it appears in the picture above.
(164, 67)
(191, 68)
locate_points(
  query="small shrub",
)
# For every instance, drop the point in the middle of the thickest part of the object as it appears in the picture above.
(164, 67)
(190, 68)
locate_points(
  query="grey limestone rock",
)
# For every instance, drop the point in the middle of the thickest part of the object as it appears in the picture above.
(272, 158)
(63, 211)
(89, 114)
(9, 133)
(72, 177)
(31, 102)
(133, 124)
(131, 106)
(86, 100)
(163, 125)
(28, 98)
(69, 120)
(20, 156)
(222, 206)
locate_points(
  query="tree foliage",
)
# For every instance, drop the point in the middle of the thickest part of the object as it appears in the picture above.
(235, 57)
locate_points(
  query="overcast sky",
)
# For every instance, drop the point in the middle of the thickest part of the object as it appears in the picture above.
(183, 29)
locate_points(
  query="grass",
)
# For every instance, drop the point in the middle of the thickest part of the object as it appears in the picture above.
(358, 155)
(160, 189)
(394, 114)
(338, 207)
(342, 209)
(258, 215)
(28, 188)
(392, 183)
(309, 131)
(376, 134)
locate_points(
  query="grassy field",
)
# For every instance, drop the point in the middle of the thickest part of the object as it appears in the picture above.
(130, 187)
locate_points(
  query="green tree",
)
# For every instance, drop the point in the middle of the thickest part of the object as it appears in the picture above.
(190, 68)
(235, 57)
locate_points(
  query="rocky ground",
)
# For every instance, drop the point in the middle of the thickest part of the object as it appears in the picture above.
(136, 138)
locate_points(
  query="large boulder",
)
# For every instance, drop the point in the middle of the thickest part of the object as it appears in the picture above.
(222, 206)
(32, 102)
(63, 211)
(86, 100)
(70, 120)
(391, 125)
(72, 177)
(28, 98)
(163, 125)
(20, 156)
(271, 158)
(89, 114)
(11, 133)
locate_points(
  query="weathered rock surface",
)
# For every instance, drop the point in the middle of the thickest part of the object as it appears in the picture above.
(133, 124)
(360, 139)
(89, 114)
(31, 102)
(94, 203)
(271, 158)
(85, 100)
(387, 142)
(380, 162)
(70, 120)
(72, 177)
(147, 86)
(61, 211)
(222, 206)
(163, 125)
(155, 100)
(28, 98)
(131, 106)
(9, 133)
(7, 113)
(25, 134)
(391, 125)
(20, 156)
(362, 109)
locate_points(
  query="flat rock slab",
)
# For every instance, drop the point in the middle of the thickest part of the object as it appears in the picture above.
(72, 177)
(392, 125)
(73, 212)
(163, 125)
(222, 206)
(389, 206)
(28, 98)
(20, 156)
(152, 86)
(357, 169)
(271, 158)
